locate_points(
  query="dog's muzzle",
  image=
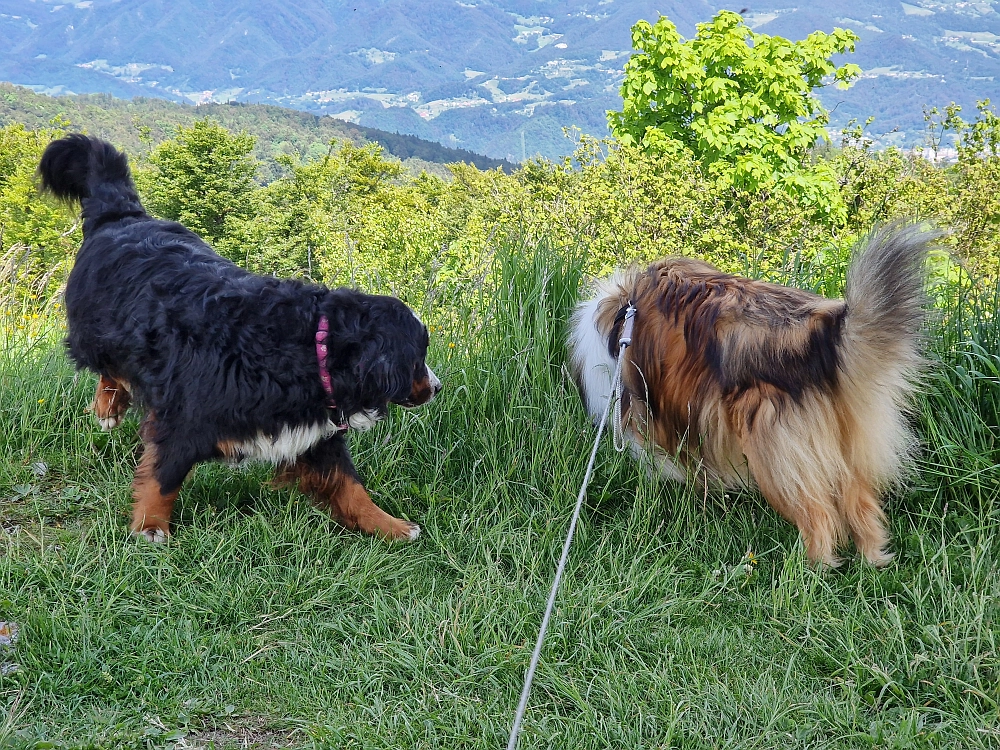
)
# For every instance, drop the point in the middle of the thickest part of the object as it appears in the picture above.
(423, 390)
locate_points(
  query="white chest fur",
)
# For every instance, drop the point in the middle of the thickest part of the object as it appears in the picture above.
(292, 442)
(286, 446)
(590, 357)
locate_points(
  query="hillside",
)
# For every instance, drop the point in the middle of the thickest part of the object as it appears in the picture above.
(501, 78)
(278, 130)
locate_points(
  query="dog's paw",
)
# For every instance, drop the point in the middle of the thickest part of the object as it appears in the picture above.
(879, 558)
(109, 423)
(399, 530)
(830, 562)
(153, 536)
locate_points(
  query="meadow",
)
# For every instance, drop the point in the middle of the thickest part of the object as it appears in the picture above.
(685, 620)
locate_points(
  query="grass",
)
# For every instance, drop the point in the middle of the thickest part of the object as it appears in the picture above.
(683, 621)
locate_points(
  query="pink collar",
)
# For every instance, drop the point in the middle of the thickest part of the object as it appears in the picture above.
(322, 332)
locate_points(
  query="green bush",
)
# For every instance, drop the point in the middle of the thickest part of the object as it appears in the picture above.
(38, 236)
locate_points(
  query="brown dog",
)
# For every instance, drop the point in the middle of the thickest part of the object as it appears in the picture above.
(752, 383)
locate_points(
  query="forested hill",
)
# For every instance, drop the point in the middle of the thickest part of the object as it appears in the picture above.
(278, 130)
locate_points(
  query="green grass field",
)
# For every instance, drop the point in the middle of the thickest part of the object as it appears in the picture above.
(683, 621)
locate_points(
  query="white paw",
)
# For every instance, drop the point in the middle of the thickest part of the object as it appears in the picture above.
(413, 533)
(880, 559)
(364, 420)
(154, 536)
(109, 423)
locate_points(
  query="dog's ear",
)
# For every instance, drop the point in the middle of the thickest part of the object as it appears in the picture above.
(381, 363)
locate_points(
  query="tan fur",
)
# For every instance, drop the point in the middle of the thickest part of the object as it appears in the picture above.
(347, 501)
(152, 508)
(731, 379)
(111, 400)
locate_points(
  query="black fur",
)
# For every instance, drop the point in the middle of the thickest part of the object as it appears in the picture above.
(91, 172)
(214, 352)
(789, 370)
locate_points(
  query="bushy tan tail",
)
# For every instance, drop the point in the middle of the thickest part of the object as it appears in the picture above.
(886, 304)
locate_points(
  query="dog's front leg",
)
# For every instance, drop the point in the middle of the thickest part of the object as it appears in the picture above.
(111, 401)
(166, 461)
(326, 473)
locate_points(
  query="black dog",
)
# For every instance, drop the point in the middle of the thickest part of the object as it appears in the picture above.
(226, 364)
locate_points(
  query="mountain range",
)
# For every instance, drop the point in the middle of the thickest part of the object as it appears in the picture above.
(499, 77)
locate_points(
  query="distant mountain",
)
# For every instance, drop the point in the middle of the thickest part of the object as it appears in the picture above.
(277, 130)
(486, 75)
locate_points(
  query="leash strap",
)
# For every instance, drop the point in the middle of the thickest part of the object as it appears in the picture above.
(618, 431)
(322, 333)
(522, 705)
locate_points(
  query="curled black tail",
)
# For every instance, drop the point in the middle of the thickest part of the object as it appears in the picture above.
(92, 172)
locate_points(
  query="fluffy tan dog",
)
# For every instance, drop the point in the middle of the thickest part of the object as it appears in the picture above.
(749, 383)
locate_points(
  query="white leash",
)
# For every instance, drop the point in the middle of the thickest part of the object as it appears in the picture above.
(623, 342)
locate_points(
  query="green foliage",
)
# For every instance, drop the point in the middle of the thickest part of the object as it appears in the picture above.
(627, 204)
(352, 216)
(878, 186)
(37, 235)
(960, 196)
(349, 217)
(203, 178)
(977, 214)
(741, 103)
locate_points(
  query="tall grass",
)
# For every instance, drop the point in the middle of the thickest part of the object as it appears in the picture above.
(684, 620)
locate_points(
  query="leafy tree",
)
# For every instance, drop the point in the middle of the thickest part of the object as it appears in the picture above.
(352, 217)
(743, 104)
(203, 178)
(881, 184)
(977, 208)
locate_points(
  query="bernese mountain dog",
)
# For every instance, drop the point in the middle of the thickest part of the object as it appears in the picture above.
(744, 383)
(225, 364)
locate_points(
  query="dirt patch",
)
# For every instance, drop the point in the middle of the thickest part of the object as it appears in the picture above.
(245, 733)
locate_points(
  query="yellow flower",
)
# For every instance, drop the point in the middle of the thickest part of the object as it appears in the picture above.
(41, 400)
(451, 345)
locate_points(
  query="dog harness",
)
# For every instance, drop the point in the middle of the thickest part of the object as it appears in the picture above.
(322, 333)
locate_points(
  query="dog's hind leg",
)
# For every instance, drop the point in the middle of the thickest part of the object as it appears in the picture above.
(111, 401)
(327, 474)
(809, 508)
(152, 507)
(866, 521)
(797, 472)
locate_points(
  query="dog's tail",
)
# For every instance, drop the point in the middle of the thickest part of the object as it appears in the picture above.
(882, 360)
(885, 295)
(92, 172)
